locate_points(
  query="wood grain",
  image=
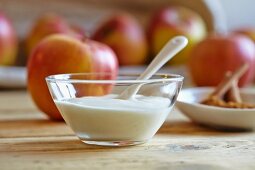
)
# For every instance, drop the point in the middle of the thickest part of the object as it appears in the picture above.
(31, 141)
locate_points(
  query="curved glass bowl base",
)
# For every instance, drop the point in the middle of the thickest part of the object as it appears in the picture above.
(113, 143)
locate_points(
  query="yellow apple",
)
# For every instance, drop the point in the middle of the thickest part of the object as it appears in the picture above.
(49, 24)
(172, 21)
(125, 36)
(8, 42)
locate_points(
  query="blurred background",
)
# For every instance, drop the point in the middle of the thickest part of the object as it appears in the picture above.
(145, 30)
(89, 12)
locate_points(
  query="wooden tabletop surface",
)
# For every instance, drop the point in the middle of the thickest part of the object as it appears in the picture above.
(28, 140)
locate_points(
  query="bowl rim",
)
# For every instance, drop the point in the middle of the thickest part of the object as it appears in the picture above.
(65, 78)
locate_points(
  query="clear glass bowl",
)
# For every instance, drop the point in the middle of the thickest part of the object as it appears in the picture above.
(90, 106)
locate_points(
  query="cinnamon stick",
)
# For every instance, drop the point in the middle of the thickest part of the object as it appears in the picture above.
(227, 93)
(223, 87)
(233, 94)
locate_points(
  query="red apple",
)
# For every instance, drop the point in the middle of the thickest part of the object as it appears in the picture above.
(49, 24)
(8, 42)
(217, 54)
(57, 54)
(171, 21)
(125, 36)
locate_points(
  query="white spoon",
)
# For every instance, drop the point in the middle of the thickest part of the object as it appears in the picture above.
(173, 46)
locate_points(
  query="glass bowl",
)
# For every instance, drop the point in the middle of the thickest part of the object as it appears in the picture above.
(90, 105)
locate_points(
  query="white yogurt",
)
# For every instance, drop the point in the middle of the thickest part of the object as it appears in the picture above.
(109, 119)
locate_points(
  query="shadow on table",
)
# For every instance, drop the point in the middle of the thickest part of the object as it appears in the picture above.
(191, 128)
(58, 144)
(41, 135)
(45, 127)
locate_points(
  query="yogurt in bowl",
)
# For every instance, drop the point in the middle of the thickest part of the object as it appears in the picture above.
(104, 119)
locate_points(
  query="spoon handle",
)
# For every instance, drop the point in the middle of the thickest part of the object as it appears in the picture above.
(173, 46)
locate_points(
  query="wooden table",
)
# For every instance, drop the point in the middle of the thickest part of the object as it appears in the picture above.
(28, 140)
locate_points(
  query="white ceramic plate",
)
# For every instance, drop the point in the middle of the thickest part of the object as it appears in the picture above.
(189, 100)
